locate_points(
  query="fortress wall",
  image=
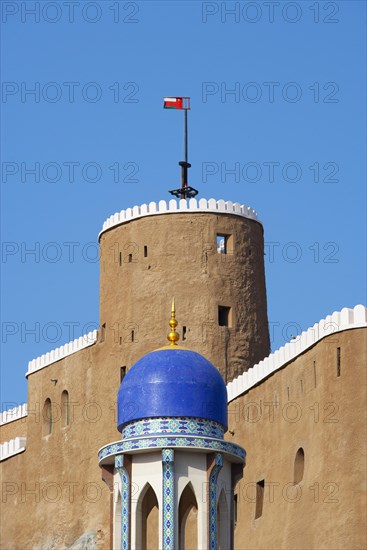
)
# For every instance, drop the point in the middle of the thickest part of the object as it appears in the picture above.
(56, 484)
(63, 465)
(13, 413)
(305, 405)
(11, 430)
(12, 447)
(347, 318)
(63, 351)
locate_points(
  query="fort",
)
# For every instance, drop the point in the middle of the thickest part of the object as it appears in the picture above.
(223, 444)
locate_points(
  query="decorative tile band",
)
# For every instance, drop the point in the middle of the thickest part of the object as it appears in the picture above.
(125, 501)
(173, 426)
(168, 488)
(213, 519)
(160, 442)
(183, 205)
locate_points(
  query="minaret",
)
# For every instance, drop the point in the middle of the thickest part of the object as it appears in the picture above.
(174, 473)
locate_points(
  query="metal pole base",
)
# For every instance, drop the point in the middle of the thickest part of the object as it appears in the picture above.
(186, 192)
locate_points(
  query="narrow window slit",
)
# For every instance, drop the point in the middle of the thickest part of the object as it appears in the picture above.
(299, 466)
(338, 361)
(103, 332)
(224, 316)
(65, 413)
(260, 485)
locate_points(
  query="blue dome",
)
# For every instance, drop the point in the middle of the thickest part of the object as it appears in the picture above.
(172, 382)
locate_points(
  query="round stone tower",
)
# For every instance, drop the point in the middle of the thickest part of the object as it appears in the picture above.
(208, 254)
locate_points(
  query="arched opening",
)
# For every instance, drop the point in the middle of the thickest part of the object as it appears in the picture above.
(188, 520)
(47, 417)
(222, 522)
(65, 412)
(147, 528)
(117, 523)
(299, 466)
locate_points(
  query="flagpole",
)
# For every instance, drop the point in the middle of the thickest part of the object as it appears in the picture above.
(185, 164)
(185, 191)
(186, 138)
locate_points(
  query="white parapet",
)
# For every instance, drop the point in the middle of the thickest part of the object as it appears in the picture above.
(61, 352)
(174, 207)
(13, 414)
(344, 320)
(12, 447)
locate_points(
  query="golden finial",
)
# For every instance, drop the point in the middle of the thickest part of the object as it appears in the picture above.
(173, 336)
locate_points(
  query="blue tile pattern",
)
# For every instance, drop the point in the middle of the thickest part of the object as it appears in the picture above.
(161, 442)
(125, 501)
(213, 478)
(168, 486)
(173, 426)
(172, 382)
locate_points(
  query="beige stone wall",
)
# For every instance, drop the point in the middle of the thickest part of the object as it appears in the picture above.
(11, 430)
(69, 497)
(182, 261)
(303, 405)
(306, 405)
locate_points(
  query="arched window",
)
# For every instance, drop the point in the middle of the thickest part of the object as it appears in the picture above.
(147, 527)
(65, 412)
(222, 522)
(299, 466)
(188, 519)
(47, 418)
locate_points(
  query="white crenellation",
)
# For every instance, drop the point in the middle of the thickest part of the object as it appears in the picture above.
(13, 414)
(337, 322)
(61, 352)
(192, 205)
(12, 447)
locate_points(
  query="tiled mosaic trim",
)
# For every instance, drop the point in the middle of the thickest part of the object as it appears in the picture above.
(164, 442)
(213, 478)
(125, 501)
(173, 426)
(168, 499)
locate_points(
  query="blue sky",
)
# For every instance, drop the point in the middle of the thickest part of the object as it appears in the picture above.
(277, 93)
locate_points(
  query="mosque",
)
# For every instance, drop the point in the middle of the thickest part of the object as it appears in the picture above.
(208, 443)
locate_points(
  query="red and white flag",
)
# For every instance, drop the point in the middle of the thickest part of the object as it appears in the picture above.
(173, 103)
